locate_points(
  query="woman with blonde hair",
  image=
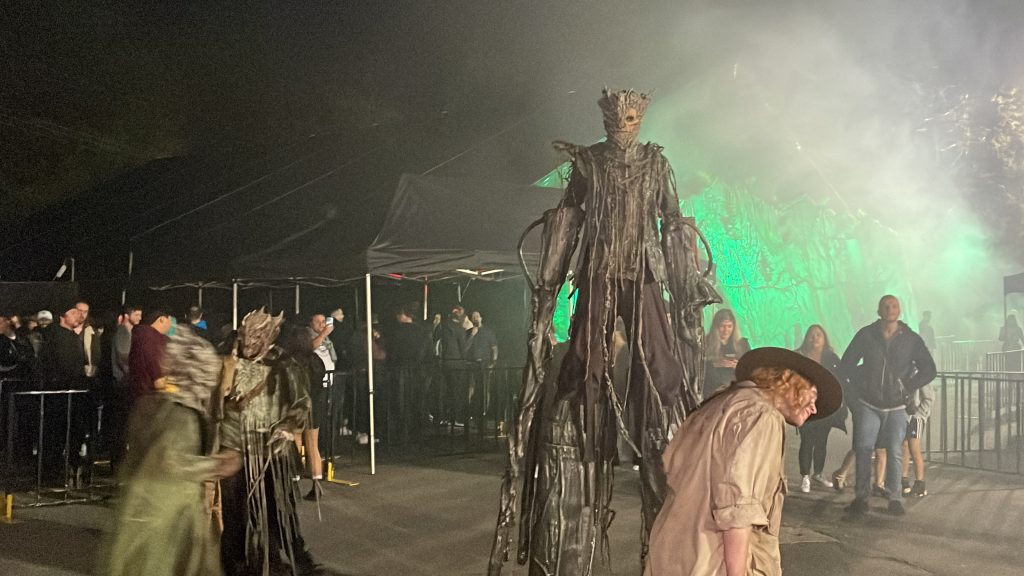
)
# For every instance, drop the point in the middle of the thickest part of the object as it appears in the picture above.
(723, 346)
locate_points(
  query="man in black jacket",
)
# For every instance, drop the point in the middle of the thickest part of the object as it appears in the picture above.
(884, 364)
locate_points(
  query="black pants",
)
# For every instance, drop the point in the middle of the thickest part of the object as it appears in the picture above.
(65, 428)
(813, 443)
(115, 422)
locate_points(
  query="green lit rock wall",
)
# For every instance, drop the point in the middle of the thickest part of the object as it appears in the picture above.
(783, 267)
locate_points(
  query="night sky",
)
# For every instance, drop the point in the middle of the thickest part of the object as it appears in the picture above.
(92, 90)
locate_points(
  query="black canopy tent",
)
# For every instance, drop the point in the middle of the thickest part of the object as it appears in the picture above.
(437, 229)
(441, 228)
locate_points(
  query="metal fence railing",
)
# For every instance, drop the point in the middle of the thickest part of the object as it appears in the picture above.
(45, 432)
(454, 407)
(962, 355)
(449, 407)
(976, 421)
(1012, 361)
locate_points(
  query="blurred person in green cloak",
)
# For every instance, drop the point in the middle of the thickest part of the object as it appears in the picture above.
(165, 523)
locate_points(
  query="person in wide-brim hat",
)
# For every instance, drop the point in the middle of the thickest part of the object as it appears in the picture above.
(829, 392)
(724, 468)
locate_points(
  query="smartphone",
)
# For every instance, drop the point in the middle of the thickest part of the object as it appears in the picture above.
(330, 320)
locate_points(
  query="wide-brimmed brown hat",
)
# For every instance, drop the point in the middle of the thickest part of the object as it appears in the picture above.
(830, 393)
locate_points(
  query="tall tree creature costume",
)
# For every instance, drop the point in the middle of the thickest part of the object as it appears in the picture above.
(266, 403)
(565, 437)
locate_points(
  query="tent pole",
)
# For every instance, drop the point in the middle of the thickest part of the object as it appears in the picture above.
(131, 264)
(234, 304)
(458, 291)
(426, 298)
(200, 295)
(355, 294)
(297, 299)
(369, 373)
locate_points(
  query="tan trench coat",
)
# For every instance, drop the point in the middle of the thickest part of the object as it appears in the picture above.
(724, 470)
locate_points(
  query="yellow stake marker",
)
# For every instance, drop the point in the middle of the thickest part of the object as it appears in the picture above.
(8, 516)
(332, 480)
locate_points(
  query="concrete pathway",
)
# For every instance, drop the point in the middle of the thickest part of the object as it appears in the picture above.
(435, 515)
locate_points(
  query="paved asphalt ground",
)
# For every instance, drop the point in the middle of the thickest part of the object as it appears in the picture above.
(434, 515)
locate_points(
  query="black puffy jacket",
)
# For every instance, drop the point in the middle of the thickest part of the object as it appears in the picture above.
(883, 375)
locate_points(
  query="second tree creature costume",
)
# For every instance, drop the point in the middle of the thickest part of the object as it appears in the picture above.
(265, 407)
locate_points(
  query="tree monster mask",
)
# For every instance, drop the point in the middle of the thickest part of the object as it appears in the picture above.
(257, 333)
(623, 112)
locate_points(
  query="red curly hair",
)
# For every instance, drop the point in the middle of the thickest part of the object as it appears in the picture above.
(783, 386)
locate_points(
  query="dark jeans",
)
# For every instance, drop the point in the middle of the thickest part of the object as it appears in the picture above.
(62, 437)
(884, 429)
(813, 444)
(115, 422)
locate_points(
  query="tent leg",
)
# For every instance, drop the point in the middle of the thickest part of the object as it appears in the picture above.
(234, 305)
(426, 298)
(369, 373)
(131, 265)
(200, 297)
(297, 299)
(355, 293)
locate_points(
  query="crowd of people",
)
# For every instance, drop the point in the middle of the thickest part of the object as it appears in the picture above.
(437, 372)
(183, 409)
(180, 411)
(724, 467)
(885, 372)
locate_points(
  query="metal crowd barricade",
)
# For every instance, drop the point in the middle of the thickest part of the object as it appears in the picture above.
(964, 355)
(67, 494)
(1012, 361)
(7, 472)
(456, 407)
(976, 421)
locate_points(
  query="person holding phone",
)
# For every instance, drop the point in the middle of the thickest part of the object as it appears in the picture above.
(723, 347)
(320, 328)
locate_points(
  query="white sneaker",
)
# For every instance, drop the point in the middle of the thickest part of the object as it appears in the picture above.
(821, 481)
(805, 484)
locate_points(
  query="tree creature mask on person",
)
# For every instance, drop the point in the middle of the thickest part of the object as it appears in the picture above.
(623, 112)
(257, 334)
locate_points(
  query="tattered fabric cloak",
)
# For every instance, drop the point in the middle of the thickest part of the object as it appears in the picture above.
(164, 525)
(565, 438)
(265, 405)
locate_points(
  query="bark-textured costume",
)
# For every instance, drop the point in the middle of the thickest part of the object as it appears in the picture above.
(164, 524)
(265, 406)
(565, 438)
